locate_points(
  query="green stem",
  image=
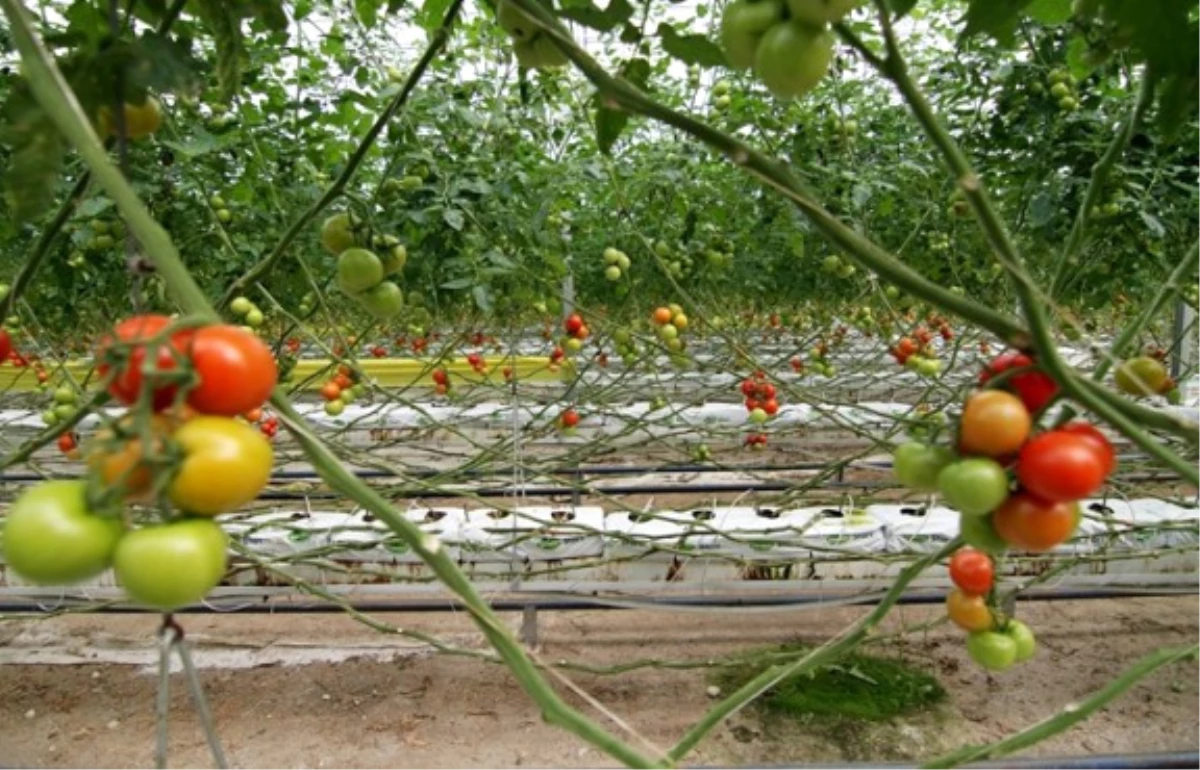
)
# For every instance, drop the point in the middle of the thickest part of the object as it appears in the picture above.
(1072, 714)
(264, 266)
(59, 102)
(839, 645)
(1096, 184)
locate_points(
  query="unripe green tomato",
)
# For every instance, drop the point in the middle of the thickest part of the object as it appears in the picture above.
(241, 305)
(335, 407)
(224, 216)
(612, 273)
(254, 318)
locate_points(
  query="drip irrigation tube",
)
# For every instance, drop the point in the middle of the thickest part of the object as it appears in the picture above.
(1170, 759)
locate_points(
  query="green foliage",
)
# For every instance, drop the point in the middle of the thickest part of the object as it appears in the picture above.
(856, 687)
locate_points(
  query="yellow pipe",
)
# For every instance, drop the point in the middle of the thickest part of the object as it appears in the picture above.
(387, 372)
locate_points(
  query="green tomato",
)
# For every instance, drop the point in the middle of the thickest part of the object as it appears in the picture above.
(1023, 637)
(668, 332)
(540, 53)
(1059, 90)
(337, 233)
(992, 650)
(624, 263)
(612, 273)
(917, 465)
(758, 416)
(383, 301)
(394, 258)
(217, 202)
(103, 242)
(979, 533)
(611, 256)
(224, 216)
(976, 486)
(358, 270)
(50, 417)
(65, 394)
(831, 263)
(254, 318)
(241, 306)
(168, 566)
(792, 58)
(50, 537)
(514, 21)
(65, 411)
(335, 407)
(742, 27)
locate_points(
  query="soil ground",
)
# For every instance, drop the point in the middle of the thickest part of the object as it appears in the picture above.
(324, 691)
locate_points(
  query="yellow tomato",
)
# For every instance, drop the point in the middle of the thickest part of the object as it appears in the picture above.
(226, 463)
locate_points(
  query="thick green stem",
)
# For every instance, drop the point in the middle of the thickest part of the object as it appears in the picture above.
(264, 266)
(1071, 715)
(57, 99)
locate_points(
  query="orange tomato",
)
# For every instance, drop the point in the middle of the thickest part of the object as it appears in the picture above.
(994, 423)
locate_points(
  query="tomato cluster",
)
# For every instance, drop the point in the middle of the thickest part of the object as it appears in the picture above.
(761, 402)
(441, 381)
(788, 44)
(576, 332)
(669, 323)
(340, 389)
(616, 263)
(361, 273)
(182, 445)
(997, 442)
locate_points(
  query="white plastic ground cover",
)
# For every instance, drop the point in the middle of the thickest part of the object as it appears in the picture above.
(702, 544)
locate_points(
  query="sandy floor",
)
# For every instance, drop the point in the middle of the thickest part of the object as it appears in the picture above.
(323, 691)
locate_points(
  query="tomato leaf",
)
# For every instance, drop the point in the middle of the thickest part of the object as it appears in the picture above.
(1051, 12)
(36, 157)
(901, 7)
(431, 14)
(611, 122)
(586, 13)
(997, 18)
(368, 12)
(226, 30)
(690, 49)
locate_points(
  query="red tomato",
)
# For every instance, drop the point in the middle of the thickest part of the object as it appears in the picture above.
(573, 324)
(570, 418)
(5, 345)
(379, 351)
(126, 382)
(752, 404)
(330, 391)
(766, 391)
(236, 371)
(440, 377)
(1061, 466)
(749, 388)
(1102, 445)
(67, 443)
(972, 571)
(770, 406)
(1034, 388)
(1026, 522)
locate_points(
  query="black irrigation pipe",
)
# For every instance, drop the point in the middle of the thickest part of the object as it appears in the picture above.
(262, 605)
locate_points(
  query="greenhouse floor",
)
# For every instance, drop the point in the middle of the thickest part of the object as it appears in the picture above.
(323, 691)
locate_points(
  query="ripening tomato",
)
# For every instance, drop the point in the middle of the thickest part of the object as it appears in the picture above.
(1100, 442)
(128, 344)
(167, 566)
(994, 423)
(1061, 466)
(236, 371)
(1141, 376)
(770, 406)
(1024, 521)
(226, 464)
(118, 459)
(342, 380)
(140, 119)
(1035, 388)
(972, 571)
(330, 391)
(969, 612)
(51, 537)
(663, 316)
